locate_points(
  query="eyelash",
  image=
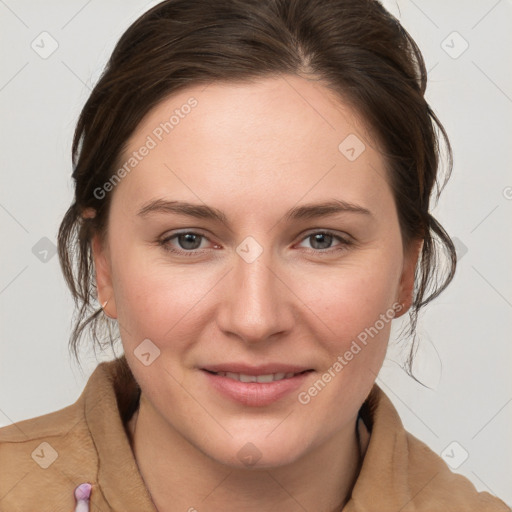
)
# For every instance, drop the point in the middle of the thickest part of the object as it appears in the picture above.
(345, 243)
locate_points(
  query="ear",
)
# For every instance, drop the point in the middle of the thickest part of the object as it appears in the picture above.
(103, 273)
(405, 289)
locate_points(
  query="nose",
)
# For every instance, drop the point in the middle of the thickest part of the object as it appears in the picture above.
(257, 300)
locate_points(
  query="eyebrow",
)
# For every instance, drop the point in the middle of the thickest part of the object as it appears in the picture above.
(202, 211)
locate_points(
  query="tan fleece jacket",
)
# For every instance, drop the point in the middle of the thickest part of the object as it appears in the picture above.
(43, 459)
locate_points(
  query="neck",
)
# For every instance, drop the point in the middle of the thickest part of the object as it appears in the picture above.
(322, 480)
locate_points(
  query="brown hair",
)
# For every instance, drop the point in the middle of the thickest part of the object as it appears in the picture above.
(355, 47)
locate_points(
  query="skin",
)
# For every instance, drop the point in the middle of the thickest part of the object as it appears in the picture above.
(254, 151)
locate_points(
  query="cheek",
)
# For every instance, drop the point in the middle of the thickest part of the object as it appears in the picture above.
(160, 301)
(352, 298)
(357, 307)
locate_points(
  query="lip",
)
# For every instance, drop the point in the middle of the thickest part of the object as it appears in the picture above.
(264, 369)
(255, 394)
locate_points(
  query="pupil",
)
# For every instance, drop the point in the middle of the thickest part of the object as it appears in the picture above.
(189, 238)
(318, 238)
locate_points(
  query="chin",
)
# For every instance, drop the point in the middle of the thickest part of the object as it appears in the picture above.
(257, 451)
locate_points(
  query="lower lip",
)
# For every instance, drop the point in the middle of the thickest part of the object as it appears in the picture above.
(255, 394)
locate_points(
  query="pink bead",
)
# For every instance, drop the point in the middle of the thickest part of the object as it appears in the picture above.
(83, 491)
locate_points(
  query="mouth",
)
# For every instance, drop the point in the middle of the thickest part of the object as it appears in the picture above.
(255, 386)
(262, 378)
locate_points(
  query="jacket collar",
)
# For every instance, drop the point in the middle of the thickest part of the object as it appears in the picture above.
(110, 398)
(383, 480)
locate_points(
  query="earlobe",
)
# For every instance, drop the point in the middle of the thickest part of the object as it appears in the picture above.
(405, 293)
(103, 275)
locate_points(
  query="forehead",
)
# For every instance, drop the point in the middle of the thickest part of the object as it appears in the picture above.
(270, 138)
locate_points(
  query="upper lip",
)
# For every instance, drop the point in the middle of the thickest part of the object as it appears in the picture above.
(247, 369)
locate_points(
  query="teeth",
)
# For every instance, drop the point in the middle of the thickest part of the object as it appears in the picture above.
(247, 378)
(266, 378)
(271, 377)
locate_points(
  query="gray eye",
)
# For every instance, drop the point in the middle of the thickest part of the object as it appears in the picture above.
(321, 240)
(189, 241)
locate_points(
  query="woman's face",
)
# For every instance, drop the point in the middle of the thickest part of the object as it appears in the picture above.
(267, 282)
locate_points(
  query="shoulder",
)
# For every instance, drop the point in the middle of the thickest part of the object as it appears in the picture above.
(401, 472)
(434, 484)
(41, 457)
(44, 459)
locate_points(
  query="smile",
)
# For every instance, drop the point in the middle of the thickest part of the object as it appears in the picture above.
(270, 377)
(257, 390)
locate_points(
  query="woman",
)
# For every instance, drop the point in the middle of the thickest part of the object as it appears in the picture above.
(253, 183)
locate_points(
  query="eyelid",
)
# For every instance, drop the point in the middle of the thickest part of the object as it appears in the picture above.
(166, 238)
(342, 235)
(345, 241)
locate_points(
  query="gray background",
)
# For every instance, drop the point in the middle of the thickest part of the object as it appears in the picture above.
(465, 352)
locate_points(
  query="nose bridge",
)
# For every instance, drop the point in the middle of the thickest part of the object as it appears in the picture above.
(255, 305)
